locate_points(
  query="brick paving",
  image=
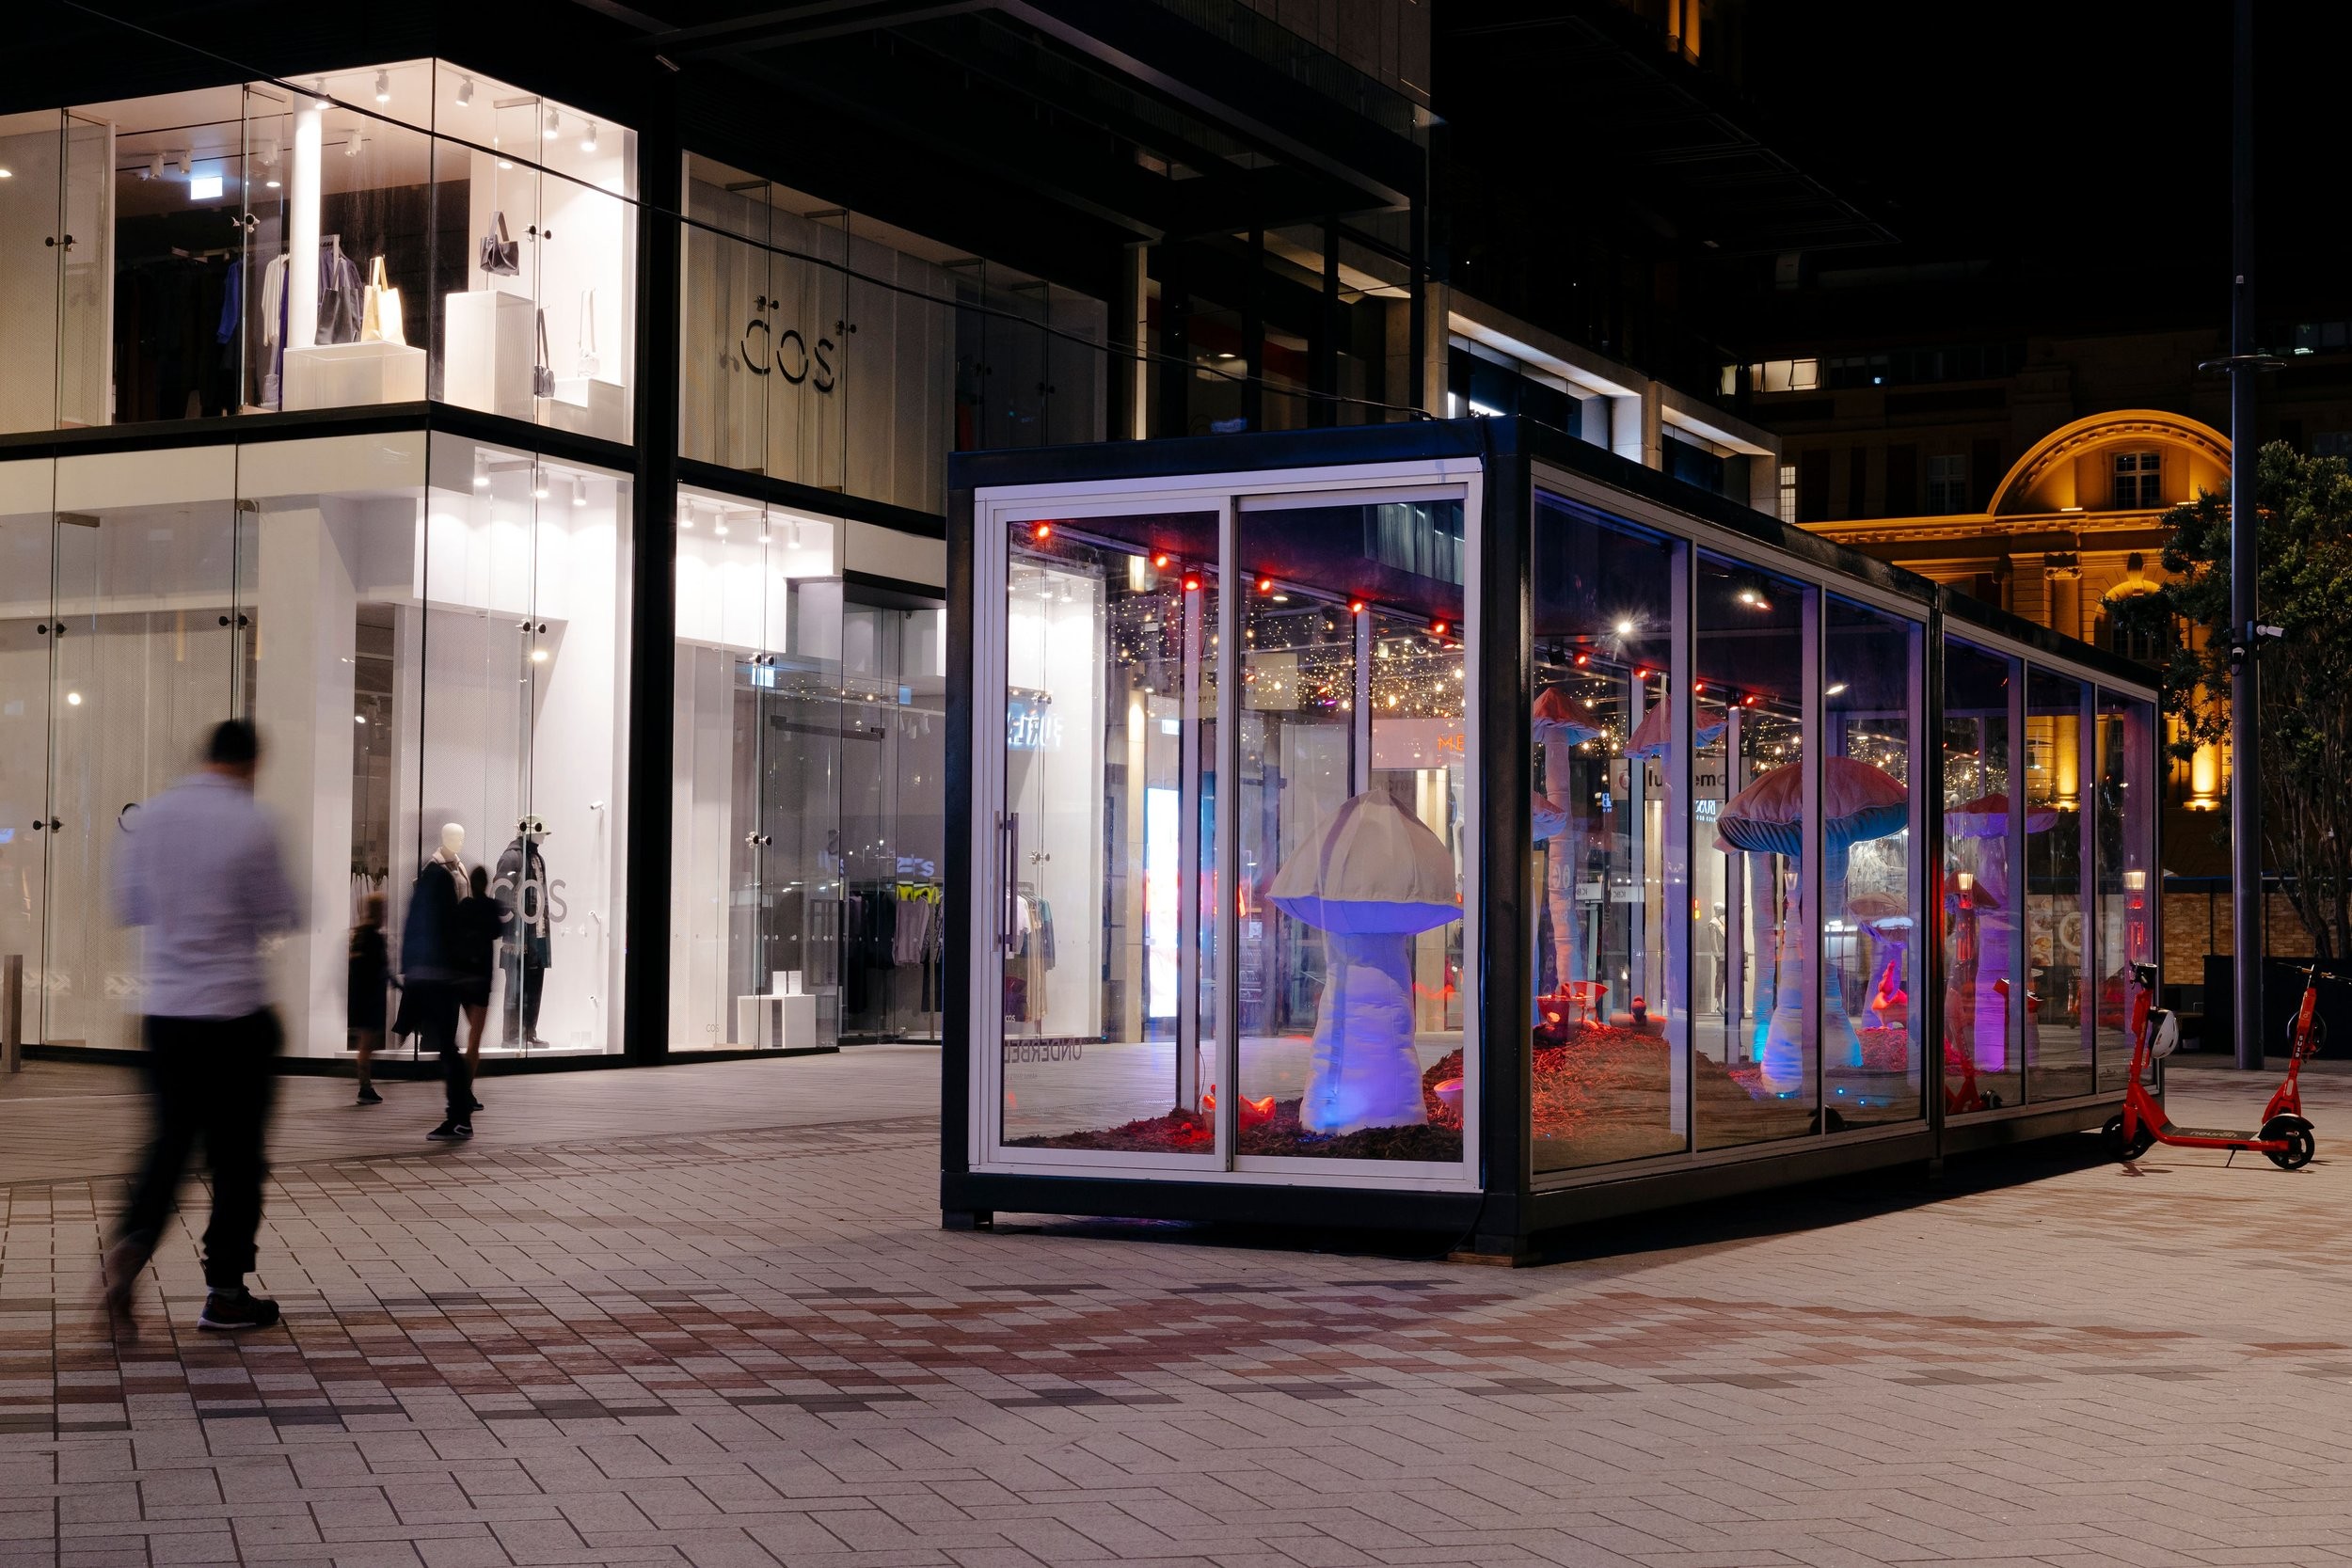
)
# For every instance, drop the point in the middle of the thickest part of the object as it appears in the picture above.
(705, 1315)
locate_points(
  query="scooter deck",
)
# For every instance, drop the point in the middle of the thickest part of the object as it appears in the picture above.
(2227, 1134)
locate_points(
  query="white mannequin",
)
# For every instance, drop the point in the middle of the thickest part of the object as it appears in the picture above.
(452, 854)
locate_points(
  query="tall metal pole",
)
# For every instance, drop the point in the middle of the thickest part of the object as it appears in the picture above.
(2246, 852)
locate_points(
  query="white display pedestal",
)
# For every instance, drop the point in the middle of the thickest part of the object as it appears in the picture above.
(776, 1022)
(489, 350)
(353, 376)
(587, 405)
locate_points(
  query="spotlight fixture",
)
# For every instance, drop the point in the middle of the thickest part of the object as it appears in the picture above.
(1625, 627)
(1583, 659)
(588, 142)
(686, 517)
(382, 86)
(538, 484)
(481, 471)
(579, 490)
(555, 123)
(792, 535)
(353, 143)
(1160, 561)
(1834, 691)
(719, 525)
(465, 92)
(1192, 584)
(1436, 628)
(154, 169)
(1355, 606)
(1042, 530)
(188, 161)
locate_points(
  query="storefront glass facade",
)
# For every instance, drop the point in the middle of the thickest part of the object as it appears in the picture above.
(428, 631)
(362, 238)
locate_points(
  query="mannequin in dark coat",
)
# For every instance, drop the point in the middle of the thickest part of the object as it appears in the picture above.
(521, 886)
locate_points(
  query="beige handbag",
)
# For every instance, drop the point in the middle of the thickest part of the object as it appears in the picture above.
(380, 316)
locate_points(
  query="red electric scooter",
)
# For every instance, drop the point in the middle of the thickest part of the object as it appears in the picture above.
(2285, 1139)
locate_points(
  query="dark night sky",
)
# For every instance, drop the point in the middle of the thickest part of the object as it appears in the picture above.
(2085, 142)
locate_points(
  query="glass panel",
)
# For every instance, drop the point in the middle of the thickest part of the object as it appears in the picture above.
(1753, 1075)
(1110, 630)
(1351, 811)
(25, 533)
(339, 300)
(1871, 916)
(1982, 936)
(143, 667)
(86, 317)
(519, 657)
(732, 608)
(893, 745)
(2058, 930)
(725, 370)
(587, 303)
(1608, 1073)
(486, 210)
(32, 150)
(2127, 886)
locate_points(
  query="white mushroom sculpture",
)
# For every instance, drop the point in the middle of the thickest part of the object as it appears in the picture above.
(1370, 880)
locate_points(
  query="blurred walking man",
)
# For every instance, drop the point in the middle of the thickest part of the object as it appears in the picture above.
(201, 873)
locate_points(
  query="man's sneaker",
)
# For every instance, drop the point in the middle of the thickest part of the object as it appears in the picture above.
(453, 1130)
(477, 1105)
(368, 1095)
(238, 1308)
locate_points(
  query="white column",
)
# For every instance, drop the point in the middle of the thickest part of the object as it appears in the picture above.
(305, 617)
(302, 225)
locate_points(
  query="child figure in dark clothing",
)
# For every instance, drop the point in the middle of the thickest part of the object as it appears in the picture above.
(370, 975)
(477, 955)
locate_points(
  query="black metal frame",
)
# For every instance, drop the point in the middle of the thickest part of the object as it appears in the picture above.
(1510, 1207)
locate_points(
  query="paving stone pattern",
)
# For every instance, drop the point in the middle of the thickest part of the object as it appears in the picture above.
(621, 1339)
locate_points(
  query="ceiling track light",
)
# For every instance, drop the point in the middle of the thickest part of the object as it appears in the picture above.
(588, 142)
(382, 86)
(481, 471)
(187, 161)
(353, 143)
(579, 490)
(555, 123)
(465, 92)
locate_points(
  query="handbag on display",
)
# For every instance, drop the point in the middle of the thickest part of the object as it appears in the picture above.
(588, 333)
(543, 374)
(380, 317)
(500, 254)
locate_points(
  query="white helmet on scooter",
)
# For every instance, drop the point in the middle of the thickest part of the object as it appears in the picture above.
(2166, 1025)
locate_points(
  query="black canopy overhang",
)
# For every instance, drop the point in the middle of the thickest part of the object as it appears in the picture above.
(951, 82)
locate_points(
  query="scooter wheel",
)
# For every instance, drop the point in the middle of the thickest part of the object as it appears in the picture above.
(2118, 1146)
(2300, 1143)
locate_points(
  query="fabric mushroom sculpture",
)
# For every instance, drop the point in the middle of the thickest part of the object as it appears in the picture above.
(1978, 996)
(1858, 802)
(1370, 880)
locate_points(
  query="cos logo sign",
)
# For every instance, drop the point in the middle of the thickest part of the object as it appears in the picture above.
(786, 353)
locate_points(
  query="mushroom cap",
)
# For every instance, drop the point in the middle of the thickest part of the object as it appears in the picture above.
(1987, 817)
(1654, 735)
(1557, 717)
(1858, 801)
(1372, 869)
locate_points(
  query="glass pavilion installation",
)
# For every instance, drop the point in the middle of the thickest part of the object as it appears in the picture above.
(1452, 827)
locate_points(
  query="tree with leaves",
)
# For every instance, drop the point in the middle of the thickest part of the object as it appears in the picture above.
(2304, 550)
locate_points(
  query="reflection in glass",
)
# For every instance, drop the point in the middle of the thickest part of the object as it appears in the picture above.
(1750, 655)
(2127, 879)
(1608, 1039)
(1871, 914)
(2058, 1047)
(1100, 888)
(1351, 803)
(1982, 934)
